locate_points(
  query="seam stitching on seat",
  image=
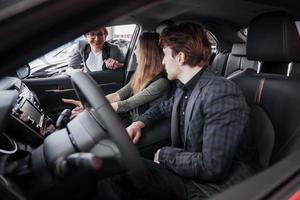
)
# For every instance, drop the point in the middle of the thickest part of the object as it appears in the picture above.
(259, 91)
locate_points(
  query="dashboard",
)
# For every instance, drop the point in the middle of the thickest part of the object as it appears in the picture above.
(27, 121)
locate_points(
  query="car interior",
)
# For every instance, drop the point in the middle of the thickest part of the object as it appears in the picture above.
(45, 155)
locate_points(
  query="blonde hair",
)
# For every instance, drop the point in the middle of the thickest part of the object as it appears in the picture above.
(149, 61)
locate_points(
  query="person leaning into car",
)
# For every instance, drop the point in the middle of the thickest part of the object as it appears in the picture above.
(147, 87)
(208, 119)
(96, 53)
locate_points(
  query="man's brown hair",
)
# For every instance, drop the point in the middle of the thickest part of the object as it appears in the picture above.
(104, 30)
(189, 38)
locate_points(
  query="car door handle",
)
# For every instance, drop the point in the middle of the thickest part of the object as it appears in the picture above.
(59, 90)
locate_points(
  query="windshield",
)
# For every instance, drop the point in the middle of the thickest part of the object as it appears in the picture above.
(53, 62)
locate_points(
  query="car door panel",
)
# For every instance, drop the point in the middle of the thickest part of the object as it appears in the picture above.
(51, 90)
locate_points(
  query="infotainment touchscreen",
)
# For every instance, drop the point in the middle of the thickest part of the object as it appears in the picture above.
(31, 111)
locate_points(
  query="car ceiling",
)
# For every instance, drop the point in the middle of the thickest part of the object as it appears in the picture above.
(235, 12)
(51, 19)
(219, 17)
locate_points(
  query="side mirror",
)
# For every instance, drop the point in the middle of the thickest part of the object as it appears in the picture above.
(23, 72)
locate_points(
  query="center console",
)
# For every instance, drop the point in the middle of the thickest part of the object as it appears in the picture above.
(29, 117)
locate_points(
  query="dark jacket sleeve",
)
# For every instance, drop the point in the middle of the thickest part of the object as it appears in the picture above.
(157, 112)
(116, 53)
(112, 51)
(76, 60)
(77, 56)
(224, 113)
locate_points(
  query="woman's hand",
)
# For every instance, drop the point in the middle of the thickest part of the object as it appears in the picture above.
(156, 156)
(78, 109)
(115, 106)
(113, 97)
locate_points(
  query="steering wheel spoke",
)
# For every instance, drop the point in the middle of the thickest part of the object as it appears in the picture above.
(94, 96)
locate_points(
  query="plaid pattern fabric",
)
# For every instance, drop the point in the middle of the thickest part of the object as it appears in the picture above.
(213, 129)
(157, 112)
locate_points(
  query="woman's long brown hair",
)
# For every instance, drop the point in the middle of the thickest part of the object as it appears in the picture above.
(149, 61)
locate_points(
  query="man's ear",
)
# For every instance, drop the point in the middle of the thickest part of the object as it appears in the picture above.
(181, 58)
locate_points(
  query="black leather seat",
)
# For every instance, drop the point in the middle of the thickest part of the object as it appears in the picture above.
(219, 63)
(237, 61)
(295, 69)
(230, 64)
(274, 98)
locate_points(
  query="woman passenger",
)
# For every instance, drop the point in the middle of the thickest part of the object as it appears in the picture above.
(148, 85)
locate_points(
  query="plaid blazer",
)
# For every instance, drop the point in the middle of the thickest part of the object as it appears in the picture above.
(215, 119)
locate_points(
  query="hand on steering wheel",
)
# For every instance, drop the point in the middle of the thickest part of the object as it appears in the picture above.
(94, 100)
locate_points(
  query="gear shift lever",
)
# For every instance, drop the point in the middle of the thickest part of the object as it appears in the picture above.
(78, 161)
(63, 118)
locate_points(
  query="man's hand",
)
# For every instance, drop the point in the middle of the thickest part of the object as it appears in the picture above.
(156, 156)
(113, 64)
(134, 131)
(78, 109)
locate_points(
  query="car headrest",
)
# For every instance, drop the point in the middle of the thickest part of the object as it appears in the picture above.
(238, 49)
(162, 25)
(273, 37)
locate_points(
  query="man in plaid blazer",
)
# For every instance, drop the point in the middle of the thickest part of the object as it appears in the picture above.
(208, 119)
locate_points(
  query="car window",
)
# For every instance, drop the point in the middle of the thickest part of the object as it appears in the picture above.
(121, 36)
(298, 25)
(56, 61)
(213, 41)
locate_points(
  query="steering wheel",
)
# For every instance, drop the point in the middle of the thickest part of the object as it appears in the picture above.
(85, 132)
(93, 98)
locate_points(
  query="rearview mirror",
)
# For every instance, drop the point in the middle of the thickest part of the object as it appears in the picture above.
(23, 72)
